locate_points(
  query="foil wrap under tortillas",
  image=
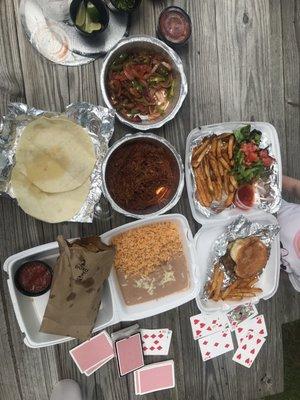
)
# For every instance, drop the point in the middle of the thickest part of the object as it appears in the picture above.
(268, 195)
(240, 228)
(97, 120)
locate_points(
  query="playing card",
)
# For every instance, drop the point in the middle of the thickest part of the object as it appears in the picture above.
(156, 341)
(207, 324)
(90, 354)
(248, 349)
(216, 344)
(154, 377)
(240, 314)
(90, 371)
(255, 325)
(129, 354)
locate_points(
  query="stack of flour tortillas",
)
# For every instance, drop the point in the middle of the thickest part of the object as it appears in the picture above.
(54, 160)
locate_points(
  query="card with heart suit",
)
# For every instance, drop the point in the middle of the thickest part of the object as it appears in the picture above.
(207, 324)
(248, 349)
(154, 377)
(92, 354)
(241, 314)
(255, 325)
(156, 342)
(216, 344)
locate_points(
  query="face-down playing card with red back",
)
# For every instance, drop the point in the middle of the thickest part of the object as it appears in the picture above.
(154, 377)
(129, 353)
(215, 344)
(92, 354)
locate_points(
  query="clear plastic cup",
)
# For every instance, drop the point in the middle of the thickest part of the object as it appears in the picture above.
(58, 10)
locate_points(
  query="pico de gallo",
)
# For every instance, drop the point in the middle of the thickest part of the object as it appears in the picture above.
(140, 85)
(250, 161)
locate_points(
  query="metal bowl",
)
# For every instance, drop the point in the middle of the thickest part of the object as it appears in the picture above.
(136, 43)
(179, 190)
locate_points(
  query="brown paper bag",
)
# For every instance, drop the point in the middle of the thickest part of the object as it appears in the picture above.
(76, 290)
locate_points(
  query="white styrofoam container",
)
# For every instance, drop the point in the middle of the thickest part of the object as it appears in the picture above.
(29, 311)
(266, 128)
(268, 280)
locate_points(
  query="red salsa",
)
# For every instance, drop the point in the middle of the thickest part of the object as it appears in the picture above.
(174, 25)
(33, 278)
(244, 197)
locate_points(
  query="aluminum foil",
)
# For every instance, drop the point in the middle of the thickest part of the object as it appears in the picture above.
(97, 120)
(268, 194)
(240, 228)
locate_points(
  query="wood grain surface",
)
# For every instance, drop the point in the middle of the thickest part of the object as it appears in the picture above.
(242, 63)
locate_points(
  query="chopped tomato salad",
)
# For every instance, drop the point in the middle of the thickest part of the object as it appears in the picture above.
(252, 154)
(140, 85)
(250, 161)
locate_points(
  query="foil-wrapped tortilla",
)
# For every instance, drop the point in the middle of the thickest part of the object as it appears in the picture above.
(240, 228)
(98, 121)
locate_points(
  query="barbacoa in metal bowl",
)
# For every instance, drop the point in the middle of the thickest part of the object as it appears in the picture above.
(131, 184)
(155, 46)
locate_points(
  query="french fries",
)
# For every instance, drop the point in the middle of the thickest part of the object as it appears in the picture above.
(230, 147)
(237, 290)
(212, 161)
(219, 283)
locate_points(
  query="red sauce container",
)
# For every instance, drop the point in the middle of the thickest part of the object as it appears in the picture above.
(174, 26)
(33, 278)
(245, 197)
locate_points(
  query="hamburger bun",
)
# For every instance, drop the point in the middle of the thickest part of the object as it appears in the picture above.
(250, 256)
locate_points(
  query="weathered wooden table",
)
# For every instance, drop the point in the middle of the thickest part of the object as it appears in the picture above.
(242, 64)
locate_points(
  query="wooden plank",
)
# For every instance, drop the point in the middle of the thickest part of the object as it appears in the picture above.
(250, 69)
(11, 89)
(45, 84)
(11, 79)
(291, 51)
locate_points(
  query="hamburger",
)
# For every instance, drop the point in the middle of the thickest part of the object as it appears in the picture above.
(250, 256)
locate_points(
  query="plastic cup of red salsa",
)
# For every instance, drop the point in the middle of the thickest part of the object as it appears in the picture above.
(33, 278)
(174, 26)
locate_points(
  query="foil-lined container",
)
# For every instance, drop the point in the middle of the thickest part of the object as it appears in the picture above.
(240, 228)
(151, 136)
(268, 190)
(98, 122)
(144, 43)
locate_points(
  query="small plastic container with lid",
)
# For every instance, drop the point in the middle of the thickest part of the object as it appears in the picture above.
(174, 26)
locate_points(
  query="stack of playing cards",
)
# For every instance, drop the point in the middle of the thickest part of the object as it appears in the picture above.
(156, 342)
(129, 354)
(92, 354)
(154, 377)
(250, 336)
(213, 332)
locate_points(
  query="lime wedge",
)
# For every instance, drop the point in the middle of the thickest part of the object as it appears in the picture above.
(81, 15)
(93, 12)
(92, 26)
